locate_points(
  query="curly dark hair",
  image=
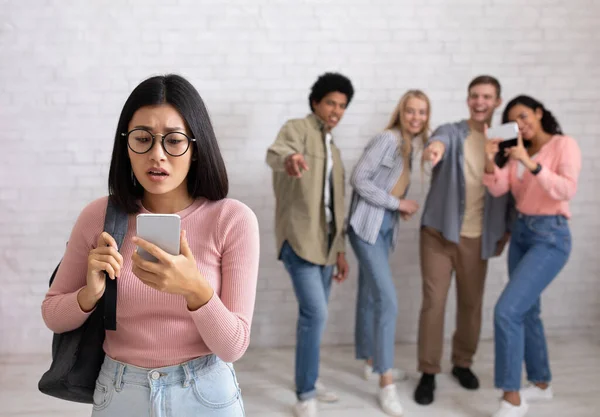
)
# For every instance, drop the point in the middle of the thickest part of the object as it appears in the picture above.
(328, 83)
(549, 122)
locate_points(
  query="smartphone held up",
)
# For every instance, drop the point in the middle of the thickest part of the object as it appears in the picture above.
(162, 230)
(508, 133)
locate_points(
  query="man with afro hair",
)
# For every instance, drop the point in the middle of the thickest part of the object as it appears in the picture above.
(308, 182)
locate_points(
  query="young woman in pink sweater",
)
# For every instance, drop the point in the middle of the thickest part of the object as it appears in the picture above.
(543, 179)
(184, 320)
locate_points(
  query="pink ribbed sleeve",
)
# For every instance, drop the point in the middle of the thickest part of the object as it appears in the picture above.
(498, 183)
(60, 309)
(155, 328)
(224, 322)
(560, 181)
(548, 192)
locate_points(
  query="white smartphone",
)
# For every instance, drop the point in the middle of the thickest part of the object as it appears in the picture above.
(161, 230)
(506, 131)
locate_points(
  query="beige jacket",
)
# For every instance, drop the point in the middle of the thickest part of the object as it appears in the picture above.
(299, 209)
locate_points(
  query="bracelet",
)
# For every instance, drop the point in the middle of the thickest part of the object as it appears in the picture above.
(537, 169)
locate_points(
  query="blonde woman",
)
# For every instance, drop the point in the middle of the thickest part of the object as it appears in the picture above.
(380, 181)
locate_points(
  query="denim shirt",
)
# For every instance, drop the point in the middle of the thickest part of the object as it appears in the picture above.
(445, 204)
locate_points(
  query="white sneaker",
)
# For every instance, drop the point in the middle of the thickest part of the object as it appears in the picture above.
(389, 401)
(306, 408)
(509, 410)
(324, 395)
(397, 374)
(533, 393)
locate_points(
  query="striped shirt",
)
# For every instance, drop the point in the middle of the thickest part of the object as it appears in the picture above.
(372, 180)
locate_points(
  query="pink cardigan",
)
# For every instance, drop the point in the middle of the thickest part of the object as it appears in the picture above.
(155, 329)
(548, 192)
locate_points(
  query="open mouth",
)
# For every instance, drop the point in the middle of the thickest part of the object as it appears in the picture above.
(157, 174)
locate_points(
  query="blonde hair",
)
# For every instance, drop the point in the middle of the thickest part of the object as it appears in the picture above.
(397, 121)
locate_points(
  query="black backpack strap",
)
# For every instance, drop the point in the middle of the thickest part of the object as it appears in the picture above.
(115, 224)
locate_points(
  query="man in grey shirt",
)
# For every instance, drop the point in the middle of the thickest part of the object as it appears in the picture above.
(461, 228)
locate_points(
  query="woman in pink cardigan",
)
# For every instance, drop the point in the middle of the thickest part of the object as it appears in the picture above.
(183, 320)
(543, 179)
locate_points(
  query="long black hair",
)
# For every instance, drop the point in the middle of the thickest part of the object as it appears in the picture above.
(207, 176)
(549, 122)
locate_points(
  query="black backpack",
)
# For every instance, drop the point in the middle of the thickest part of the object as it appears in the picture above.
(78, 355)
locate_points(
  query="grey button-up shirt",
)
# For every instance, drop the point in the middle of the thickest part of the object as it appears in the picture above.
(445, 204)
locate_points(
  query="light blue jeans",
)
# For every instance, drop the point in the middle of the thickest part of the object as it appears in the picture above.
(539, 249)
(312, 284)
(376, 305)
(205, 386)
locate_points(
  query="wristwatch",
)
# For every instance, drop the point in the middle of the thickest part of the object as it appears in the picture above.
(537, 169)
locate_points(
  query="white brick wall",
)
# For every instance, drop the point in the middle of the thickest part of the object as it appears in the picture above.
(66, 68)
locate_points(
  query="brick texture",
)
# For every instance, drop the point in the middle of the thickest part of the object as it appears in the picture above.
(67, 68)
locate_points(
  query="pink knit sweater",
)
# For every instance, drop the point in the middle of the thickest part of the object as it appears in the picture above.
(549, 192)
(156, 329)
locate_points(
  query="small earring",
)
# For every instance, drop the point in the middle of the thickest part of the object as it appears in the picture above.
(133, 179)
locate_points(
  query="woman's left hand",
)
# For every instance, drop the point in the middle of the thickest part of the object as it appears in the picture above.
(172, 274)
(519, 153)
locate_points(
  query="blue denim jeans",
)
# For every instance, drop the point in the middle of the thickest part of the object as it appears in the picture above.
(539, 249)
(204, 386)
(312, 284)
(376, 305)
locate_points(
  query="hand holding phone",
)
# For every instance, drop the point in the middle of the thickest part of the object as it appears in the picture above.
(504, 132)
(504, 136)
(171, 267)
(162, 230)
(492, 147)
